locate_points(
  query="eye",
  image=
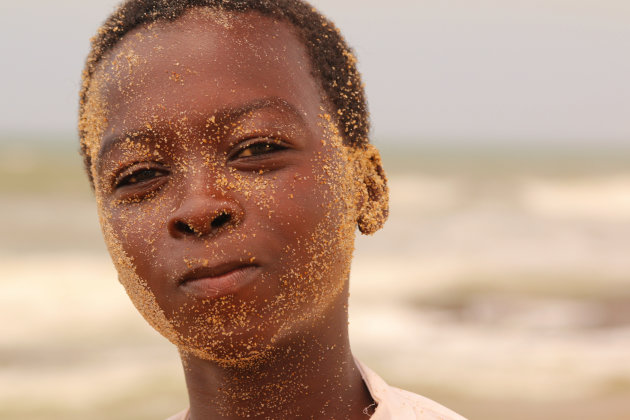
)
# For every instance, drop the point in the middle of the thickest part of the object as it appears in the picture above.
(259, 148)
(139, 176)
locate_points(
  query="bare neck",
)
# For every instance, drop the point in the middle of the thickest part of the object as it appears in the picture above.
(312, 374)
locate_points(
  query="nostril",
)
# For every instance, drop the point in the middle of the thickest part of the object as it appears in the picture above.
(201, 225)
(184, 227)
(221, 219)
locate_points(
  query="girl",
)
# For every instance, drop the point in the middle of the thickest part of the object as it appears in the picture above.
(227, 144)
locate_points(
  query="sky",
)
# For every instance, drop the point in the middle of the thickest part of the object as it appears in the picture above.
(548, 72)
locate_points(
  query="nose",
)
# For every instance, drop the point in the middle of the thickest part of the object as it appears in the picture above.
(204, 216)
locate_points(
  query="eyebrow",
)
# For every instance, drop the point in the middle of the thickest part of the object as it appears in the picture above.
(224, 114)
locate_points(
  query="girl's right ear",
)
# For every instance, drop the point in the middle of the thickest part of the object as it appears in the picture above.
(374, 203)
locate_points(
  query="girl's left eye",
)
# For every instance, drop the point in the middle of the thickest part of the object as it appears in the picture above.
(139, 176)
(257, 149)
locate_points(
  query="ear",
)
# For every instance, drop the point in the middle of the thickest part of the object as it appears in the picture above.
(374, 202)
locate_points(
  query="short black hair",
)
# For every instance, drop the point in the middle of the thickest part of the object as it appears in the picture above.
(333, 62)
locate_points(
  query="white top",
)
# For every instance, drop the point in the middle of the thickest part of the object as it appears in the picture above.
(392, 403)
(397, 404)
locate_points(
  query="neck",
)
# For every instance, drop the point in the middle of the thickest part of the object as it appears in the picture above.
(311, 374)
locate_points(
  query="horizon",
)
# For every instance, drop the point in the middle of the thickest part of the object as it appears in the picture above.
(548, 73)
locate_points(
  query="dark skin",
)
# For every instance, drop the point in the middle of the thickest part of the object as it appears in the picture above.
(222, 183)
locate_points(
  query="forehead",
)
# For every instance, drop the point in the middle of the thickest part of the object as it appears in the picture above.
(202, 63)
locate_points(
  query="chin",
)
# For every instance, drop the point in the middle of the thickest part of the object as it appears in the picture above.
(210, 333)
(228, 350)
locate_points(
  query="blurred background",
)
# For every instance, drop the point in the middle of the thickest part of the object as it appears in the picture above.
(500, 286)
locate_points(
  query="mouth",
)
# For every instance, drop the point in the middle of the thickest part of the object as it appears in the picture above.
(220, 280)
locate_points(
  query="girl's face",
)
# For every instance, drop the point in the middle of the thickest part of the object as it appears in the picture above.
(225, 193)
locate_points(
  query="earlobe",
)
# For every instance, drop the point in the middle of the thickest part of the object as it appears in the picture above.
(374, 203)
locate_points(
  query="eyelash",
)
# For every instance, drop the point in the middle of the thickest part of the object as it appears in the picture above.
(271, 145)
(126, 178)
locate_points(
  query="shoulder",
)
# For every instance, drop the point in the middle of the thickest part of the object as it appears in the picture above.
(179, 416)
(422, 407)
(395, 403)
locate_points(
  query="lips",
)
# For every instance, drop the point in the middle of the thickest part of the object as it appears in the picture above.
(220, 280)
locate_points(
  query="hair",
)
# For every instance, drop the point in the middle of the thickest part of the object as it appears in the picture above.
(332, 61)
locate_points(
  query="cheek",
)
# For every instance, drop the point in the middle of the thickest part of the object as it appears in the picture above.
(138, 228)
(141, 234)
(316, 220)
(120, 233)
